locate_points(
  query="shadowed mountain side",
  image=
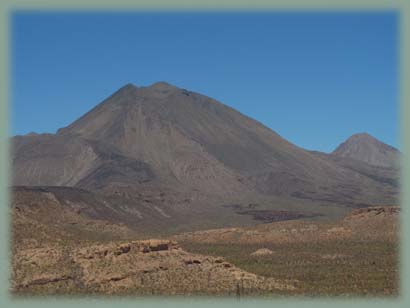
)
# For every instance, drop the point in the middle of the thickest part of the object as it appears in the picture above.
(53, 160)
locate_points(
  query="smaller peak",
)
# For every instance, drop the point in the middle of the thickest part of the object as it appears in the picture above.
(162, 86)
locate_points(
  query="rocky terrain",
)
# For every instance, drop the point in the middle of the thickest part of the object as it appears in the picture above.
(138, 268)
(59, 250)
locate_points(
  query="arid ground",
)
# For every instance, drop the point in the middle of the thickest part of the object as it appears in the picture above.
(57, 250)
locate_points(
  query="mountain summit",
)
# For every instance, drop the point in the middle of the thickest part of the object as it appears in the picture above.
(161, 152)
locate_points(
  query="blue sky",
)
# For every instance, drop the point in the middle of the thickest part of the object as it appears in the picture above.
(314, 78)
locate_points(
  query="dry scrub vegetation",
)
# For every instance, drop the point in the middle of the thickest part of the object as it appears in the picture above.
(60, 251)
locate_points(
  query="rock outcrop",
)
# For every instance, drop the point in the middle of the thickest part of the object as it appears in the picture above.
(137, 267)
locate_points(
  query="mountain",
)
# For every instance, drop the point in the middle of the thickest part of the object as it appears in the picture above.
(175, 157)
(366, 148)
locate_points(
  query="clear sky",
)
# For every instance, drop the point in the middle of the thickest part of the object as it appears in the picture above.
(314, 78)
